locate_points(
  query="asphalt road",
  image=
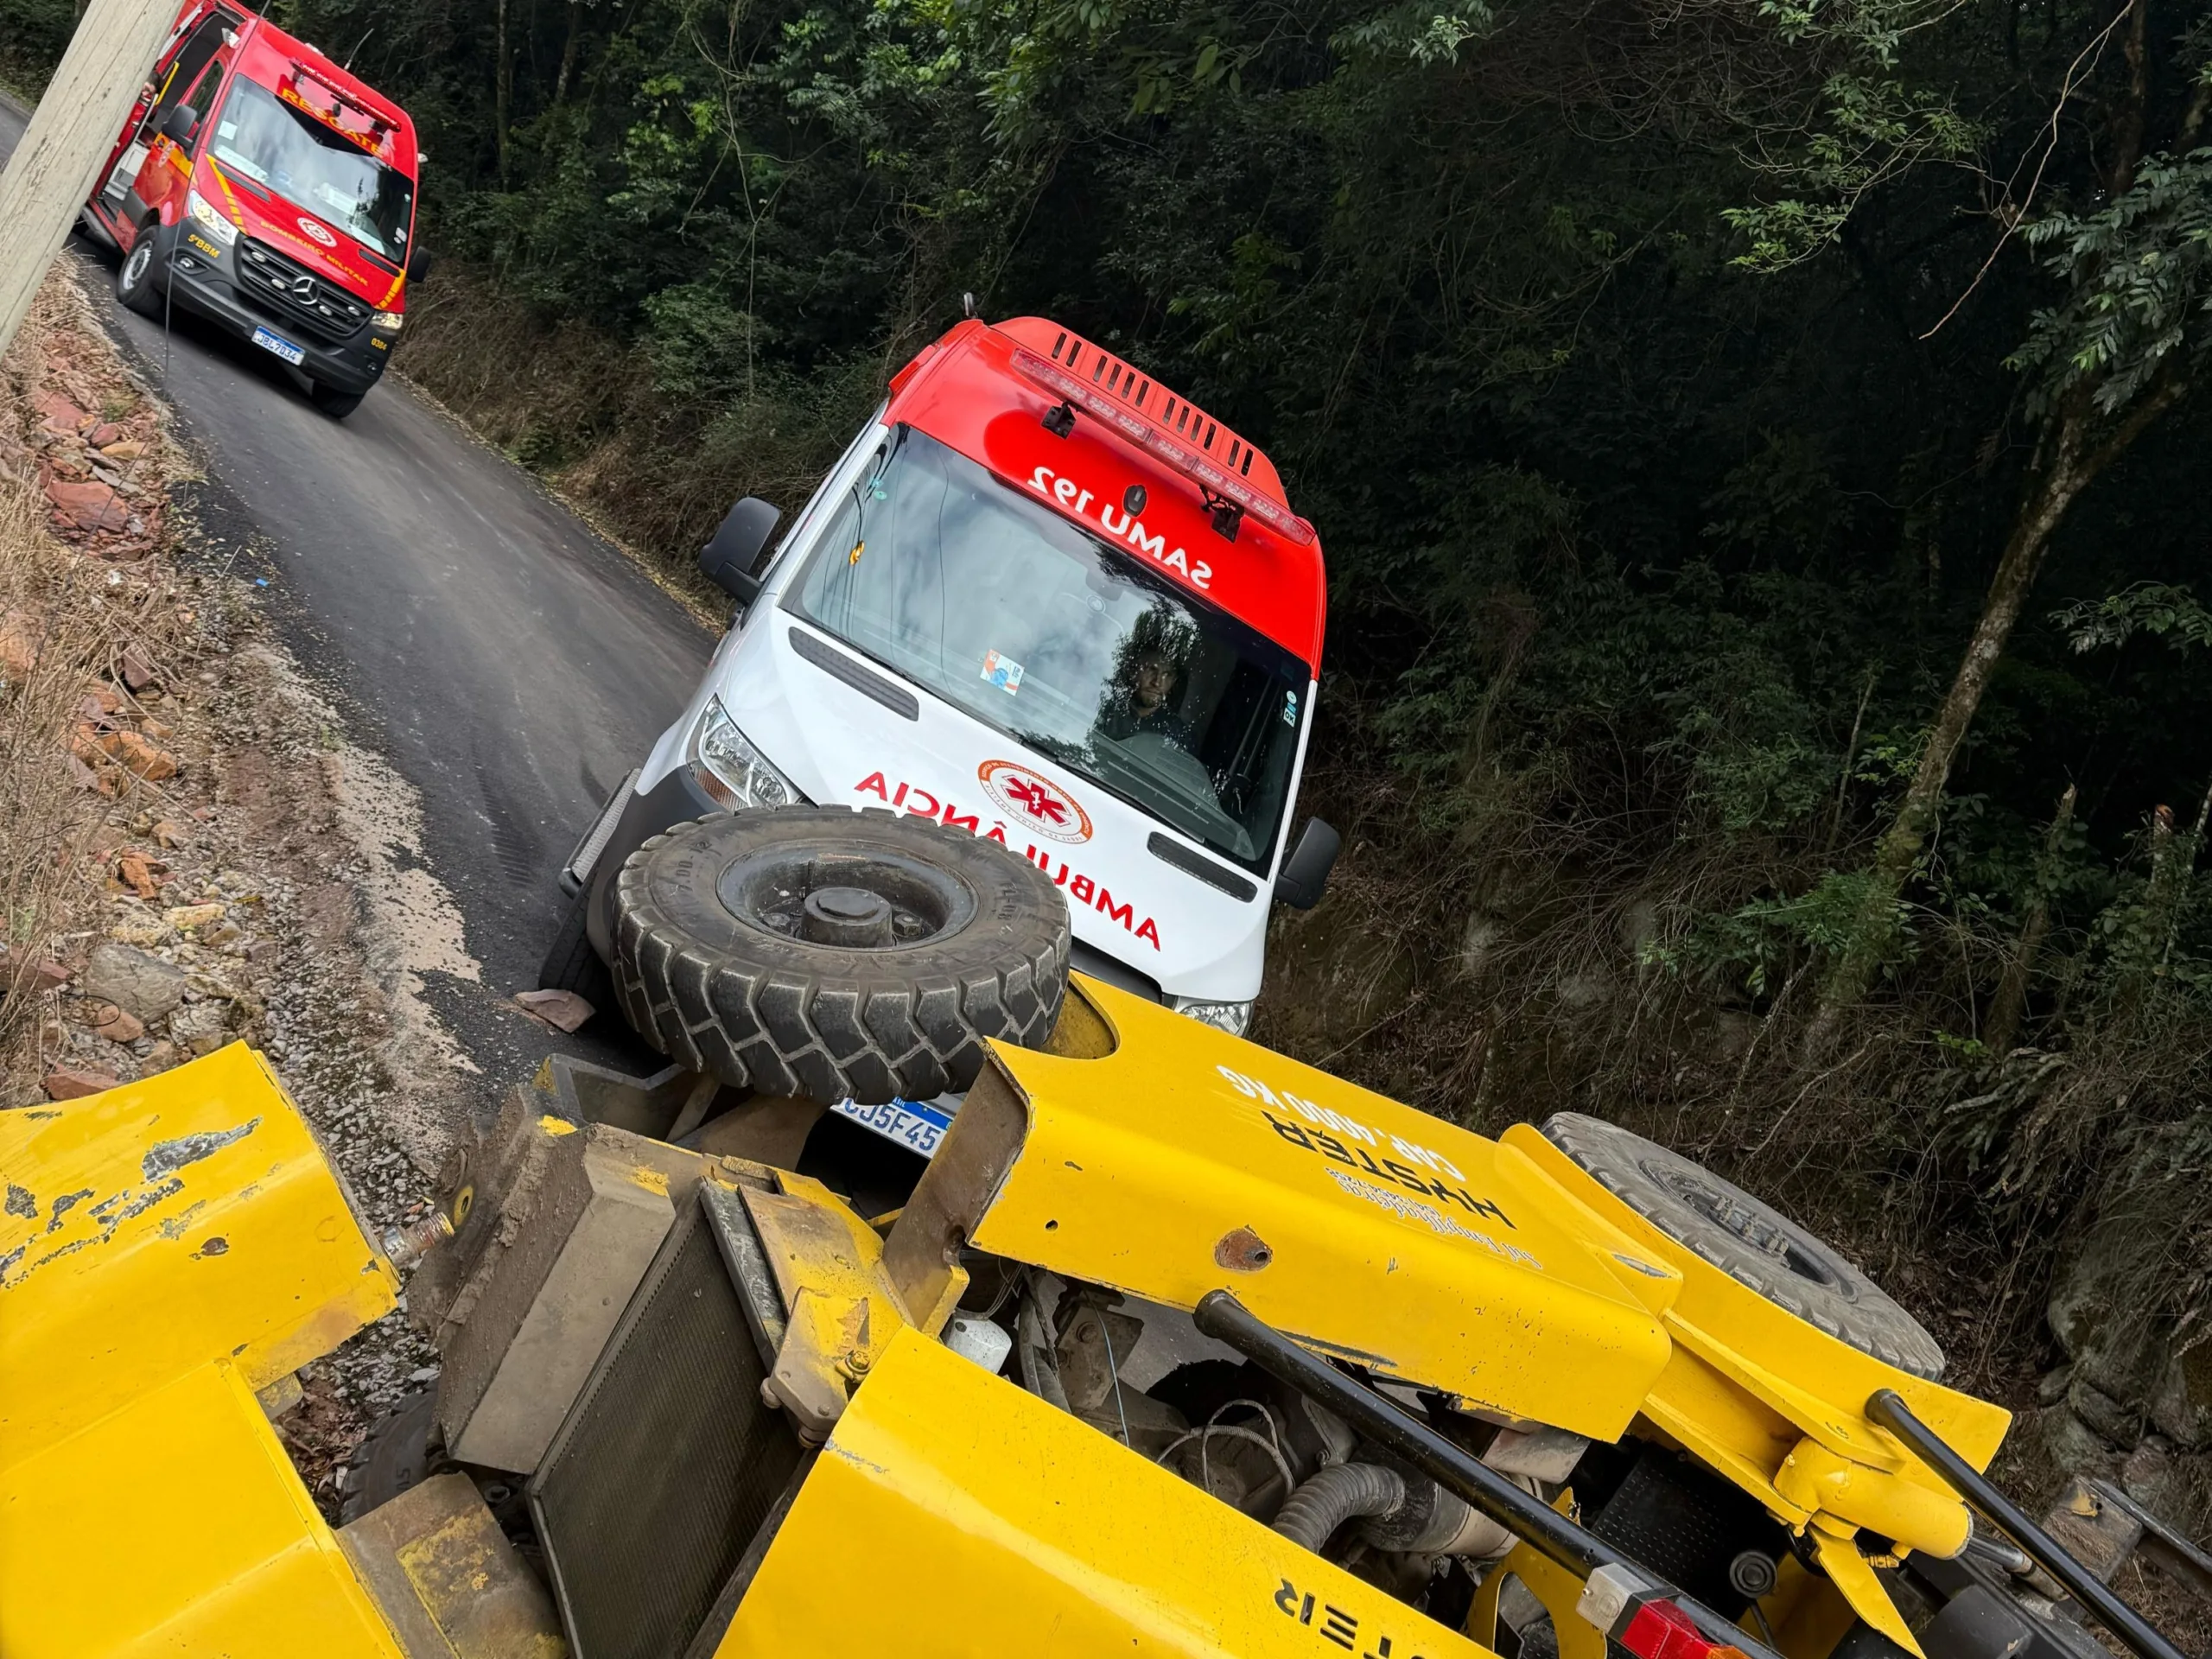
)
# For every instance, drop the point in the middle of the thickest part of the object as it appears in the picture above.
(506, 661)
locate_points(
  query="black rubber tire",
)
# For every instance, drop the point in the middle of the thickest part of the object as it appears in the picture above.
(1751, 1242)
(333, 403)
(134, 276)
(785, 1015)
(571, 964)
(404, 1448)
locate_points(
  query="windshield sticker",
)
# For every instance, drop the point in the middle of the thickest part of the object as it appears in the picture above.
(1119, 525)
(1003, 671)
(1290, 708)
(1080, 889)
(1035, 803)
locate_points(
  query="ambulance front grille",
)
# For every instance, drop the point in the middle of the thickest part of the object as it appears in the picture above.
(291, 293)
(667, 1466)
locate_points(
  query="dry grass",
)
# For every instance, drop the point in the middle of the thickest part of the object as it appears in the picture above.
(50, 817)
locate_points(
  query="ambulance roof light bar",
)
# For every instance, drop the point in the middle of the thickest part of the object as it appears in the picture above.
(1145, 435)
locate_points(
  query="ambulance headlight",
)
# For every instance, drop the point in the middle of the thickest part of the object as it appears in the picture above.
(209, 218)
(728, 767)
(387, 321)
(1235, 1017)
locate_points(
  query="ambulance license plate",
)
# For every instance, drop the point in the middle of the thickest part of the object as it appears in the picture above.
(915, 1124)
(278, 344)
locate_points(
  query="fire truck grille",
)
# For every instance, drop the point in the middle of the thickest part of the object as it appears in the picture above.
(662, 1485)
(292, 294)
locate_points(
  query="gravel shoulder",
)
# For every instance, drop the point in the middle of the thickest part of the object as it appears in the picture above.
(226, 864)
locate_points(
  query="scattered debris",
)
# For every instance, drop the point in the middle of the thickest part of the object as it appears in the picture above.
(74, 1083)
(562, 1010)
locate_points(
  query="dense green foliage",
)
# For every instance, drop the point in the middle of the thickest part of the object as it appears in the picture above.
(1666, 377)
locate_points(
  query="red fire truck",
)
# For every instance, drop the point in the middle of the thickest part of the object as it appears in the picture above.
(260, 186)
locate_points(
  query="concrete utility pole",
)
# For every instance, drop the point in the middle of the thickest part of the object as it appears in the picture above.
(51, 174)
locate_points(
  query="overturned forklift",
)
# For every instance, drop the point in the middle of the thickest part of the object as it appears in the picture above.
(1169, 1345)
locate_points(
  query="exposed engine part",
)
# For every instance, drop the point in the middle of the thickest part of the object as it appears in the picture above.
(1094, 1337)
(1334, 1497)
(1040, 1368)
(1333, 1440)
(1246, 1468)
(1432, 1521)
(1753, 1574)
(973, 1337)
(1545, 1454)
(1408, 1515)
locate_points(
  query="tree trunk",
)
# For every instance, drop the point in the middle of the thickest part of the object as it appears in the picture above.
(1898, 854)
(2011, 999)
(568, 53)
(502, 89)
(2068, 468)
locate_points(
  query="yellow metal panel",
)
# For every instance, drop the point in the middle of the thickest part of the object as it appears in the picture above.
(1008, 1527)
(1363, 1227)
(176, 1526)
(1551, 1584)
(157, 1226)
(1838, 1554)
(1734, 1432)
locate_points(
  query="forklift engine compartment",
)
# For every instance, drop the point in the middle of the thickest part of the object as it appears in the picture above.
(688, 1389)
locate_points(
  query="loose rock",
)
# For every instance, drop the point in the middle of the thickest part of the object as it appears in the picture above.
(74, 1083)
(135, 982)
(115, 1023)
(562, 1010)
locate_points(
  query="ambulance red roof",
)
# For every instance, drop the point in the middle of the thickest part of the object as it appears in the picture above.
(985, 389)
(267, 54)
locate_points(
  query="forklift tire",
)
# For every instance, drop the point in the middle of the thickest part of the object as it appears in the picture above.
(1753, 1243)
(571, 964)
(335, 404)
(134, 277)
(403, 1448)
(835, 955)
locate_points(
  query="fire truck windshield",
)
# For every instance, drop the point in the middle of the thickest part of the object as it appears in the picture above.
(1066, 644)
(290, 153)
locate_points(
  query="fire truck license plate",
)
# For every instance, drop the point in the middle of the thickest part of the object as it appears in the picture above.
(918, 1125)
(278, 344)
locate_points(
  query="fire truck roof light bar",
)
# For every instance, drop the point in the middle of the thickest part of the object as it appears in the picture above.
(1142, 433)
(1221, 1316)
(1888, 1408)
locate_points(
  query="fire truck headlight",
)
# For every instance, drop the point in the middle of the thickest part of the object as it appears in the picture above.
(1235, 1017)
(210, 218)
(730, 769)
(387, 321)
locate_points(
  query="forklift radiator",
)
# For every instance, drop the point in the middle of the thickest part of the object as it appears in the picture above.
(656, 1499)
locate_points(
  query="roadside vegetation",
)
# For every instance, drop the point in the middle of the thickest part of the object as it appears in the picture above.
(1760, 449)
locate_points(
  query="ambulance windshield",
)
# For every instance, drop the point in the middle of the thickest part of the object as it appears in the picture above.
(1066, 644)
(290, 153)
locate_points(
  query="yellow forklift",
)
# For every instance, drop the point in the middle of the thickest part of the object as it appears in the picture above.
(1170, 1344)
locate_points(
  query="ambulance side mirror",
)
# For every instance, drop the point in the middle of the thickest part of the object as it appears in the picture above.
(1305, 873)
(419, 263)
(735, 548)
(180, 123)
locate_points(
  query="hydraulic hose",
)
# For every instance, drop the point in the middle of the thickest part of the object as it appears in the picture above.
(1332, 1497)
